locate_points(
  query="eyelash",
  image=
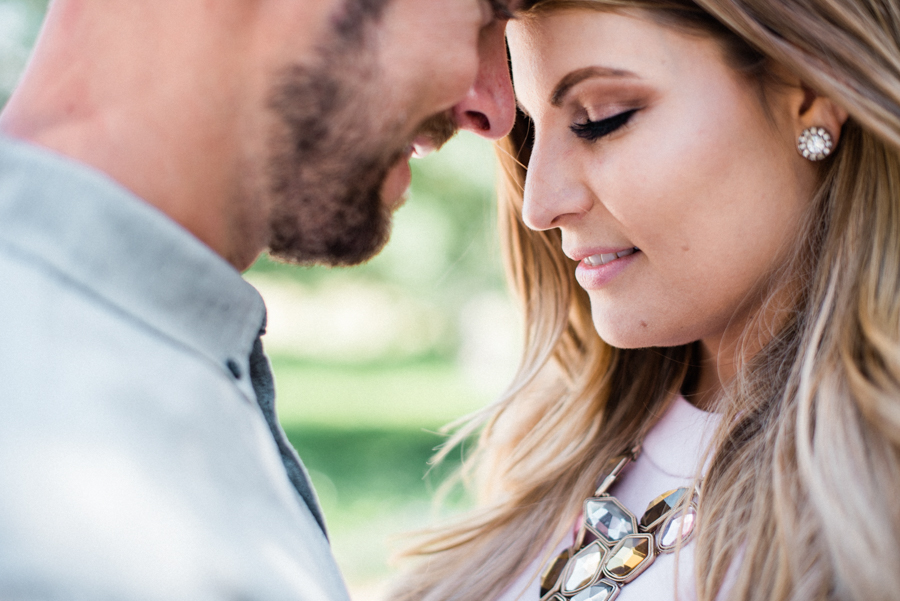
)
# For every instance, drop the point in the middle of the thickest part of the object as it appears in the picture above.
(594, 130)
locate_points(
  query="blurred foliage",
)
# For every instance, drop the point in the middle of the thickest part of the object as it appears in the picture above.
(20, 21)
(416, 394)
(375, 466)
(443, 243)
(373, 484)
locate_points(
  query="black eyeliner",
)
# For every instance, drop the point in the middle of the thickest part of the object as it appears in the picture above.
(594, 130)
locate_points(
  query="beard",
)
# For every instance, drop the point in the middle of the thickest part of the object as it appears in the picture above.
(331, 151)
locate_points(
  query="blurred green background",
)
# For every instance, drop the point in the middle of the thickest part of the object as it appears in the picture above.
(371, 361)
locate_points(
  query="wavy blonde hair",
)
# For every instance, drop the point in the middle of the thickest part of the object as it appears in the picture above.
(802, 496)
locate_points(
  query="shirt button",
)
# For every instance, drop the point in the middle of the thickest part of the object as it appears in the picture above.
(234, 368)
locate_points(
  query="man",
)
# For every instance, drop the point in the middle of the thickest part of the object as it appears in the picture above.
(150, 153)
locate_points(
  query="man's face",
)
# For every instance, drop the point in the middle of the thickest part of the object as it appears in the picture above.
(389, 78)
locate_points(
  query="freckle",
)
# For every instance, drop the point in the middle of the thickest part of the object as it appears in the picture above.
(685, 248)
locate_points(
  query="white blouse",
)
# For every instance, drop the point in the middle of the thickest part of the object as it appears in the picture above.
(671, 453)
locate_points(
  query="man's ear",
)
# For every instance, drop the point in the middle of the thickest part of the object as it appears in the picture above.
(814, 110)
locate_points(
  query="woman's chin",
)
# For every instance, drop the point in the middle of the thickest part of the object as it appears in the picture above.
(620, 332)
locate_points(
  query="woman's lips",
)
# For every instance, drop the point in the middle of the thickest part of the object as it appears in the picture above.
(604, 258)
(597, 270)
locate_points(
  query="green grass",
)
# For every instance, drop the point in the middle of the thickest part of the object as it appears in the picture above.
(387, 464)
(366, 434)
(420, 394)
(373, 486)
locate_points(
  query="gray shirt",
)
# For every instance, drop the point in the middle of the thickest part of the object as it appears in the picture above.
(140, 457)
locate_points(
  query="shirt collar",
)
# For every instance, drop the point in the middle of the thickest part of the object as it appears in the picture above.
(89, 229)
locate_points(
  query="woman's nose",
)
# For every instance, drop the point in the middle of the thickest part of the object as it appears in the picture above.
(554, 194)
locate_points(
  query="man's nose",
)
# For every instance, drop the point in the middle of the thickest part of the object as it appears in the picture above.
(489, 106)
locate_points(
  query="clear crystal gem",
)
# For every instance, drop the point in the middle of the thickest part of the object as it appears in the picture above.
(602, 591)
(816, 144)
(609, 519)
(660, 506)
(681, 524)
(628, 556)
(583, 568)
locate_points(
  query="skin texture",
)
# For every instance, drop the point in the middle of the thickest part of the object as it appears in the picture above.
(704, 179)
(340, 160)
(182, 102)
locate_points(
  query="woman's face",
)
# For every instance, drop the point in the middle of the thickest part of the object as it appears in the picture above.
(674, 189)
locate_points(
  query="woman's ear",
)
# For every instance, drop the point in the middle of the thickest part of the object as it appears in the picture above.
(814, 110)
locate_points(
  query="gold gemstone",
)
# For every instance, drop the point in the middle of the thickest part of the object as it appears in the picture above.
(630, 557)
(660, 507)
(553, 571)
(583, 568)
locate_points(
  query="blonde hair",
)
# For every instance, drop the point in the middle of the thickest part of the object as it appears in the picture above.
(802, 496)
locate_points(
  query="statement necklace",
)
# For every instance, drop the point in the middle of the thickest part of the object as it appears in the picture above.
(613, 547)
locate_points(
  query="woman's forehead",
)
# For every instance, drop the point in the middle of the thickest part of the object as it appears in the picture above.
(559, 45)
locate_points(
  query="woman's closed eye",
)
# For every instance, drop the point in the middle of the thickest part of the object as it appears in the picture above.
(594, 130)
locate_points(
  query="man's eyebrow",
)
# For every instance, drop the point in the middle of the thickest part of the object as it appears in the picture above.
(575, 77)
(503, 9)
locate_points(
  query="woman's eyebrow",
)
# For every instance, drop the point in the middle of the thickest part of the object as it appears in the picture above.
(575, 77)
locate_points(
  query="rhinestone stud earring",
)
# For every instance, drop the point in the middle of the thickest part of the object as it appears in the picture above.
(815, 143)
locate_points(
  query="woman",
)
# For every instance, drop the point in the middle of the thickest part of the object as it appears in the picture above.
(707, 250)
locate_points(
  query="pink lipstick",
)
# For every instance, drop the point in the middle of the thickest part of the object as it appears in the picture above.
(598, 268)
